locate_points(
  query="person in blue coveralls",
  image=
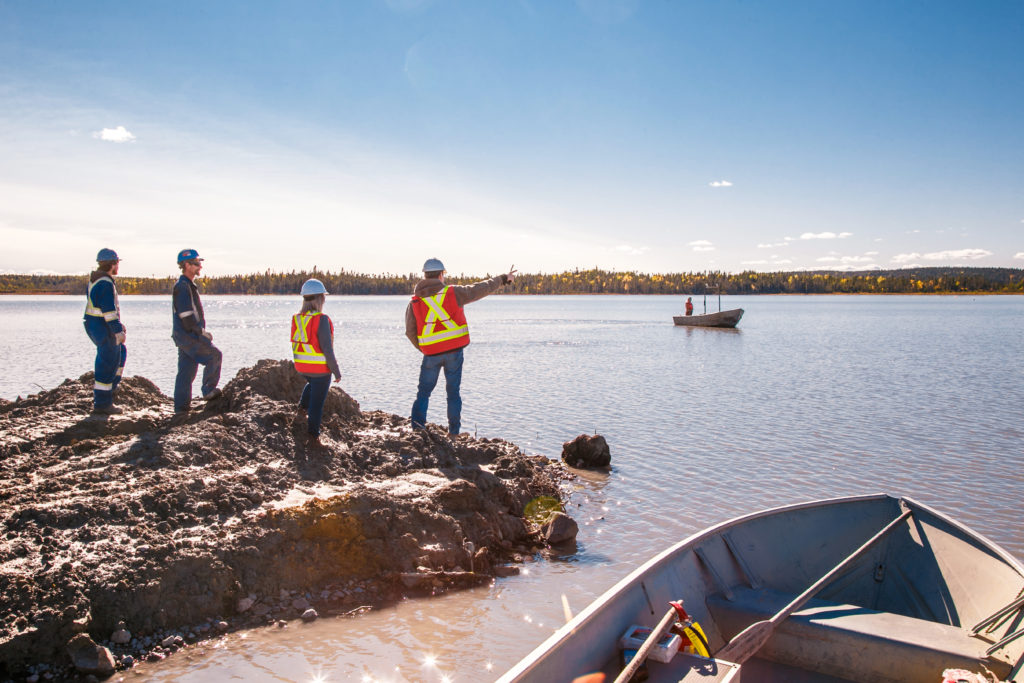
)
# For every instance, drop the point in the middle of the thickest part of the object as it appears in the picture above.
(103, 325)
(194, 342)
(312, 339)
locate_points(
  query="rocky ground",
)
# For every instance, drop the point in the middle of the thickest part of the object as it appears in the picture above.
(129, 536)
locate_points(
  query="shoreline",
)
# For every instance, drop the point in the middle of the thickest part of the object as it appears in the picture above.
(148, 535)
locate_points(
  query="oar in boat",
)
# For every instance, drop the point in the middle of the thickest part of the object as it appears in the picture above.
(652, 639)
(751, 639)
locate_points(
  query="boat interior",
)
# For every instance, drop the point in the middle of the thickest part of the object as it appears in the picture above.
(882, 589)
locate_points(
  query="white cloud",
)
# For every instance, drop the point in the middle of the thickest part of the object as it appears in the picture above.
(949, 255)
(701, 245)
(825, 235)
(631, 250)
(871, 253)
(119, 134)
(1019, 254)
(720, 183)
(773, 245)
(827, 259)
(782, 262)
(969, 254)
(759, 262)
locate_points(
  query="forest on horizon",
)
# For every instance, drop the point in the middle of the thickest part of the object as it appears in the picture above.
(936, 280)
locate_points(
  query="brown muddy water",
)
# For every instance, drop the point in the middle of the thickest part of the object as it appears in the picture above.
(812, 397)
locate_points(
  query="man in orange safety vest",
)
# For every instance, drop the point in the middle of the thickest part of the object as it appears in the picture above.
(436, 324)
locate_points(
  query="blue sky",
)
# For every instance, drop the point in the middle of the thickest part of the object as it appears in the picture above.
(659, 136)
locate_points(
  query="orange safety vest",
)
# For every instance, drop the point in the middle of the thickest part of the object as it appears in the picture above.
(309, 357)
(440, 323)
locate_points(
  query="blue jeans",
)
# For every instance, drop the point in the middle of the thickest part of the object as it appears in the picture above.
(193, 351)
(109, 365)
(313, 396)
(430, 368)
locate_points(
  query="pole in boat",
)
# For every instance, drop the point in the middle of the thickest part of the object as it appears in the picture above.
(751, 639)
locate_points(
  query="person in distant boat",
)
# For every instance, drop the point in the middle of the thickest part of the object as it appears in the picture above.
(436, 325)
(313, 352)
(103, 324)
(195, 344)
(689, 305)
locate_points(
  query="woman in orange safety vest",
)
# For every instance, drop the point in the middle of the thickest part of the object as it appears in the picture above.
(313, 352)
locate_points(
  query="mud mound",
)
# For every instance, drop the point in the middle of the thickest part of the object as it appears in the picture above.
(277, 380)
(168, 523)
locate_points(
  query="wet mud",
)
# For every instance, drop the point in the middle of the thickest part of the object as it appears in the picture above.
(146, 532)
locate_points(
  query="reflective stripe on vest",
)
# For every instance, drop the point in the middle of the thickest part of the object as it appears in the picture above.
(95, 311)
(443, 327)
(306, 352)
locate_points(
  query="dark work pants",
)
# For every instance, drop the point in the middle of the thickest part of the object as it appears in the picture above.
(193, 351)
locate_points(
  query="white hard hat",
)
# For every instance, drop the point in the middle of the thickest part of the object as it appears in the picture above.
(432, 264)
(312, 286)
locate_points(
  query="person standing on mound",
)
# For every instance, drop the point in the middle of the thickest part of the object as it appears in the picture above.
(313, 352)
(102, 322)
(436, 325)
(194, 342)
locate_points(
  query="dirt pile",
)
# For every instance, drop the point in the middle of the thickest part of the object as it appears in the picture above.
(180, 525)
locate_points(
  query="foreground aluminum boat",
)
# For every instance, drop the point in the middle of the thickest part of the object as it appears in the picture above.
(927, 595)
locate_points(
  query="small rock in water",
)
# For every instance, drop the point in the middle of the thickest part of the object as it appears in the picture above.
(310, 615)
(587, 451)
(560, 528)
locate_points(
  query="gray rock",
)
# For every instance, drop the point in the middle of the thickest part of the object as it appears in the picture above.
(88, 657)
(586, 452)
(127, 661)
(301, 603)
(310, 615)
(559, 528)
(221, 625)
(245, 604)
(121, 637)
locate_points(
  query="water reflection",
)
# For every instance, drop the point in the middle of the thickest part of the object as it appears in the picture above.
(811, 397)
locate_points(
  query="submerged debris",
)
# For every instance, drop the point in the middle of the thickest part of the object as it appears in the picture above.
(148, 532)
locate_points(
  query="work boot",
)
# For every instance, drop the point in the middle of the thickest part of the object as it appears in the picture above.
(108, 409)
(313, 442)
(214, 393)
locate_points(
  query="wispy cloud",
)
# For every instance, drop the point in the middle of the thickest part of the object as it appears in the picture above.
(720, 183)
(949, 255)
(701, 245)
(1019, 254)
(631, 250)
(773, 245)
(119, 134)
(825, 235)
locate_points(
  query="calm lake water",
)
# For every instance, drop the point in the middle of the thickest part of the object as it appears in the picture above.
(812, 397)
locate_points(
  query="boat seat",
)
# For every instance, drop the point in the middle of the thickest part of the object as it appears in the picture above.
(853, 642)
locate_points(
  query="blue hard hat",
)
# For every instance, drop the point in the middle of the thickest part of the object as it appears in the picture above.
(432, 264)
(312, 286)
(188, 255)
(107, 255)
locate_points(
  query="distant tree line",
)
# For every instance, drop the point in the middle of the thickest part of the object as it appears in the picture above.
(942, 280)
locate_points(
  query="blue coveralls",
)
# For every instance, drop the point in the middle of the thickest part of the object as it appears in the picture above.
(193, 348)
(102, 322)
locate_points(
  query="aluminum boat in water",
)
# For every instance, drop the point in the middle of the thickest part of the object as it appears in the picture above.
(865, 588)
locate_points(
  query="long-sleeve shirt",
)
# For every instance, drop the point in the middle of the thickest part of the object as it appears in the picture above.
(464, 294)
(326, 339)
(102, 295)
(187, 308)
